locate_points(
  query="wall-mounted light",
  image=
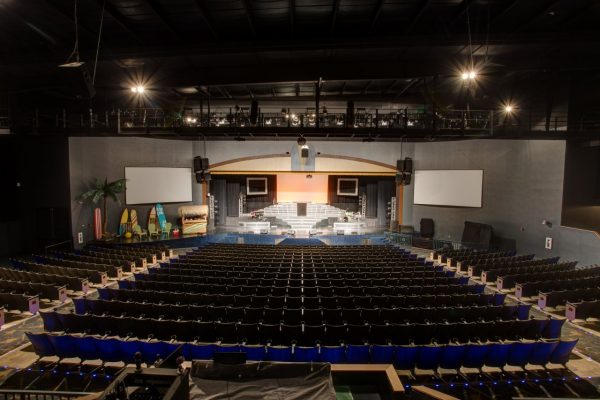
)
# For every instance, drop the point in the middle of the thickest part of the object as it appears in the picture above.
(547, 223)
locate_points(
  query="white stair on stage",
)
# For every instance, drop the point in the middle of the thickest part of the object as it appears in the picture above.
(315, 213)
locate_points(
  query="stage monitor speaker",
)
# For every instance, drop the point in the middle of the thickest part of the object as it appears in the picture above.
(254, 112)
(77, 80)
(200, 164)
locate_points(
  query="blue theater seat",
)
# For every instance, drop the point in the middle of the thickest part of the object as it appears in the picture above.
(41, 344)
(405, 357)
(542, 352)
(553, 328)
(254, 353)
(428, 357)
(64, 346)
(563, 351)
(128, 348)
(51, 321)
(519, 353)
(453, 356)
(87, 348)
(109, 349)
(279, 353)
(306, 354)
(80, 306)
(475, 355)
(333, 354)
(498, 354)
(199, 351)
(357, 354)
(382, 354)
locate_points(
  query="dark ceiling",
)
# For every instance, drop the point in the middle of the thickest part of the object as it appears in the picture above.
(236, 49)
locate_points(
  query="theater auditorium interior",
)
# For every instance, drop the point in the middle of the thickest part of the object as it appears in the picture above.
(300, 199)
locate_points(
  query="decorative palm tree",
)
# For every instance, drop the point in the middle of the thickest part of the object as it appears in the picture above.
(99, 190)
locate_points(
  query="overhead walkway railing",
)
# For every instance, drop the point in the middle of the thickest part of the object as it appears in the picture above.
(480, 123)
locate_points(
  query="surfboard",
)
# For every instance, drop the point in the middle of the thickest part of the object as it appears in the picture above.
(97, 224)
(123, 223)
(133, 218)
(162, 218)
(152, 216)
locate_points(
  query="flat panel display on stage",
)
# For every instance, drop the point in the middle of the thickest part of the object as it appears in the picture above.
(256, 186)
(302, 188)
(148, 185)
(454, 188)
(347, 187)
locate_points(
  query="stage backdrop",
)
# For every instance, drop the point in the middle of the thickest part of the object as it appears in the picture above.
(300, 189)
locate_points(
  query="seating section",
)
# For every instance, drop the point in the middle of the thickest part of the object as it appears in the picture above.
(527, 285)
(94, 276)
(42, 290)
(473, 355)
(302, 298)
(73, 283)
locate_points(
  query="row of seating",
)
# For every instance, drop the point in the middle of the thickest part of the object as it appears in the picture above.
(71, 282)
(471, 355)
(139, 262)
(91, 275)
(473, 257)
(448, 252)
(527, 285)
(508, 262)
(582, 309)
(150, 256)
(283, 334)
(413, 266)
(48, 291)
(492, 276)
(509, 281)
(168, 275)
(337, 299)
(155, 296)
(126, 266)
(561, 297)
(109, 269)
(20, 302)
(294, 316)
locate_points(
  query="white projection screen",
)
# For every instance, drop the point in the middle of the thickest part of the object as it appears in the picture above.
(454, 188)
(148, 185)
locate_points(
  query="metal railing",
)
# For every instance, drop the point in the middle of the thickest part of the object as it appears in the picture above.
(146, 119)
(41, 395)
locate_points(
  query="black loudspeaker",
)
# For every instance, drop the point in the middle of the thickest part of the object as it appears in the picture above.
(304, 153)
(254, 112)
(408, 165)
(77, 80)
(407, 179)
(400, 165)
(200, 164)
(202, 177)
(350, 114)
(399, 178)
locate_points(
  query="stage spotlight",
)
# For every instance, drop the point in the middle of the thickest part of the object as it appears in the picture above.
(465, 76)
(138, 89)
(468, 75)
(508, 109)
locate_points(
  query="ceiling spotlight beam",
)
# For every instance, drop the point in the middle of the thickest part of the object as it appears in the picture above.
(249, 16)
(159, 11)
(376, 13)
(334, 13)
(421, 7)
(205, 16)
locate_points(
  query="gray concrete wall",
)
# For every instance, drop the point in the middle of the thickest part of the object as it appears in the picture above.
(523, 183)
(107, 158)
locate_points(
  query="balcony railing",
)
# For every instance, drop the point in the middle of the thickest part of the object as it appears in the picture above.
(144, 120)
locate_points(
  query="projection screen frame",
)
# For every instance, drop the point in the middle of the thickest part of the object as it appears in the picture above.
(161, 202)
(448, 205)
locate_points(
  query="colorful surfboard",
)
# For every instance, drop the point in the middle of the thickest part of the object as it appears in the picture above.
(133, 218)
(123, 223)
(152, 217)
(97, 224)
(162, 218)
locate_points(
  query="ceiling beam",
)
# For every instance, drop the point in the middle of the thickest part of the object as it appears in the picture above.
(160, 12)
(250, 16)
(292, 7)
(463, 8)
(376, 14)
(334, 13)
(538, 16)
(119, 18)
(366, 88)
(421, 7)
(205, 16)
(504, 11)
(69, 16)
